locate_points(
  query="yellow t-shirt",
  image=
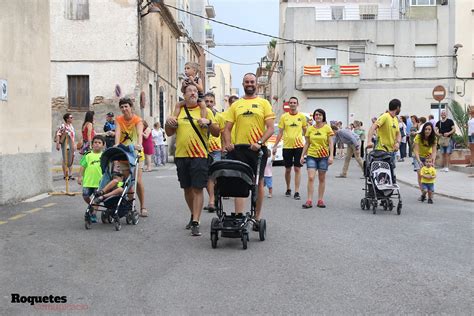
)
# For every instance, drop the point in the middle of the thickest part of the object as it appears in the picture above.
(387, 132)
(215, 143)
(188, 144)
(319, 141)
(424, 149)
(292, 125)
(427, 171)
(249, 116)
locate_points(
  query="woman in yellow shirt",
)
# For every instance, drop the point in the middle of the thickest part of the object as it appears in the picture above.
(424, 146)
(319, 148)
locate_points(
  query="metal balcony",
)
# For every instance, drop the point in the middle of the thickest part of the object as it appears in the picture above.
(341, 77)
(210, 72)
(210, 37)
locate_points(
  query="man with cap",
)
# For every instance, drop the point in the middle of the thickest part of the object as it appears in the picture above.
(109, 129)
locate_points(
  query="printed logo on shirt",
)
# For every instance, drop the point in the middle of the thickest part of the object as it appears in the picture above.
(248, 113)
(254, 106)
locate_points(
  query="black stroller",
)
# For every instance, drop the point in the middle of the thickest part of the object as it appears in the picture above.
(379, 184)
(235, 179)
(116, 207)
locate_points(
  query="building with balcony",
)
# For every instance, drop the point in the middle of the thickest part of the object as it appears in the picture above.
(220, 84)
(346, 59)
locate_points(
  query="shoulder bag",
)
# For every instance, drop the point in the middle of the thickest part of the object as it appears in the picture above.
(209, 157)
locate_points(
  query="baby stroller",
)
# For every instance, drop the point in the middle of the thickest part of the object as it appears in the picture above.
(235, 179)
(379, 186)
(116, 207)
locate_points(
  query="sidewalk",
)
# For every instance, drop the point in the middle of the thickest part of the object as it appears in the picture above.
(452, 184)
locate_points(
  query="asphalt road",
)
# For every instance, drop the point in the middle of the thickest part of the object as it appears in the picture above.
(338, 260)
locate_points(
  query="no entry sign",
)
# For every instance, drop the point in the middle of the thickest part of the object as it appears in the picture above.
(439, 93)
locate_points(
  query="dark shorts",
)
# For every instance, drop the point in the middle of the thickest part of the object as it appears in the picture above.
(250, 157)
(292, 157)
(86, 192)
(192, 172)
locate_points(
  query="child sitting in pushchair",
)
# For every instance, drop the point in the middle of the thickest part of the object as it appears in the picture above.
(114, 187)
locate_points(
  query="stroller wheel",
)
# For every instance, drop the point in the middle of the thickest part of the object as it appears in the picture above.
(214, 223)
(104, 217)
(262, 229)
(135, 218)
(128, 219)
(399, 208)
(362, 204)
(88, 225)
(245, 239)
(367, 204)
(117, 224)
(214, 239)
(374, 207)
(390, 205)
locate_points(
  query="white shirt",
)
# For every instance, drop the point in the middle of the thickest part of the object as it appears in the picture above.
(470, 126)
(158, 136)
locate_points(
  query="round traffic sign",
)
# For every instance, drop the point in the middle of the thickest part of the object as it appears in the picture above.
(439, 93)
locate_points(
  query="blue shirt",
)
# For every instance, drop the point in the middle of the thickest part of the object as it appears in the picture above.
(109, 126)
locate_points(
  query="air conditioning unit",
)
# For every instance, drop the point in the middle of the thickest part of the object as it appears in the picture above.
(443, 2)
(381, 65)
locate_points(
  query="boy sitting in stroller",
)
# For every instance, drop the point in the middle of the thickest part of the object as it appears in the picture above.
(114, 187)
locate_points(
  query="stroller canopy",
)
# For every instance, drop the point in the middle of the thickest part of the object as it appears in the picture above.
(120, 153)
(232, 168)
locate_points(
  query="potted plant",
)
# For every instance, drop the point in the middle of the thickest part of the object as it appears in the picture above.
(460, 116)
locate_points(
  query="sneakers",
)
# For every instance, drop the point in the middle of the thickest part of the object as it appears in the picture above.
(321, 204)
(269, 196)
(341, 176)
(445, 169)
(308, 204)
(422, 198)
(188, 226)
(93, 218)
(430, 201)
(195, 229)
(288, 193)
(297, 196)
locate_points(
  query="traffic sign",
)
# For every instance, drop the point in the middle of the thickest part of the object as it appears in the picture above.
(439, 93)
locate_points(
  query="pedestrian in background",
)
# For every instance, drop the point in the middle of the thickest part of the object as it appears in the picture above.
(66, 130)
(268, 174)
(360, 131)
(319, 148)
(148, 148)
(109, 130)
(159, 141)
(470, 132)
(403, 133)
(88, 132)
(351, 139)
(445, 129)
(413, 131)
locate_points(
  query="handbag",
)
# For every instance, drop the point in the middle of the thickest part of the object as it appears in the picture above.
(443, 141)
(210, 159)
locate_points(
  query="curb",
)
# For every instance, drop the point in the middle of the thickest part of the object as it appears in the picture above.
(437, 193)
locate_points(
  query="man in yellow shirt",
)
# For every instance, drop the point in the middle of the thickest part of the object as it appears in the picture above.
(252, 118)
(292, 126)
(388, 132)
(191, 152)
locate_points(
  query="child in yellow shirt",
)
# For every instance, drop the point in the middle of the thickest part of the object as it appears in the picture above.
(428, 176)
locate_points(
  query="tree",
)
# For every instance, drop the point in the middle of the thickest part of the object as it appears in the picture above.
(460, 117)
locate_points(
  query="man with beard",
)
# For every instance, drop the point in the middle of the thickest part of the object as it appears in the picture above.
(388, 132)
(253, 119)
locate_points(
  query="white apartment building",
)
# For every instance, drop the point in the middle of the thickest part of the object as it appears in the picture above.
(335, 70)
(221, 84)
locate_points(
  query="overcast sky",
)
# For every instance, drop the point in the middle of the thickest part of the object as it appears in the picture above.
(257, 15)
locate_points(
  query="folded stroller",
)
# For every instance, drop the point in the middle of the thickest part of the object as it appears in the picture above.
(116, 207)
(379, 182)
(235, 179)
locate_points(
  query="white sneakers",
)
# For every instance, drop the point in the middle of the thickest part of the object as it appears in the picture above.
(445, 169)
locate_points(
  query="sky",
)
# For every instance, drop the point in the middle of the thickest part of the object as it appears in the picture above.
(257, 15)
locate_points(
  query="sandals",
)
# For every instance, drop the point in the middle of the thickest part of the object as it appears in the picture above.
(144, 212)
(308, 204)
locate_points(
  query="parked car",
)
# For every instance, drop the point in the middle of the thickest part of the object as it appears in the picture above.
(271, 143)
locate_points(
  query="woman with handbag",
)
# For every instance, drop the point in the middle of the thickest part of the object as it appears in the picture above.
(445, 129)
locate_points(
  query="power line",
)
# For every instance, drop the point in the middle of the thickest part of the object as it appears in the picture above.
(229, 61)
(303, 42)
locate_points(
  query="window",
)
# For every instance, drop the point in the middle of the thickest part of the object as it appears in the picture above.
(326, 56)
(385, 61)
(337, 12)
(78, 92)
(77, 9)
(357, 54)
(423, 2)
(425, 50)
(368, 11)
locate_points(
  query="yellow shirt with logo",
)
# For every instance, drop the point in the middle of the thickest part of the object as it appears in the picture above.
(188, 144)
(249, 116)
(215, 143)
(424, 149)
(292, 125)
(427, 171)
(387, 132)
(319, 140)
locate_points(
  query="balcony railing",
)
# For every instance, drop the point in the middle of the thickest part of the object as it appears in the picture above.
(357, 13)
(329, 77)
(210, 68)
(210, 38)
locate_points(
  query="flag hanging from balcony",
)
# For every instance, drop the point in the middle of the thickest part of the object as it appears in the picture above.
(343, 70)
(330, 71)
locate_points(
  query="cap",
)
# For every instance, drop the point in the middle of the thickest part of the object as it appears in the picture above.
(111, 114)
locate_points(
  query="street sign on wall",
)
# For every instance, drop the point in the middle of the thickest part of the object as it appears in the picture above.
(3, 90)
(439, 93)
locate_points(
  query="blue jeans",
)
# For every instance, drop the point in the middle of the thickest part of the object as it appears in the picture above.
(427, 187)
(317, 163)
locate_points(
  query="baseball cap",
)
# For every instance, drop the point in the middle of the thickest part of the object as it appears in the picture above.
(111, 114)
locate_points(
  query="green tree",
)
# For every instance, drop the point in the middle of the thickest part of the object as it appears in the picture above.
(460, 117)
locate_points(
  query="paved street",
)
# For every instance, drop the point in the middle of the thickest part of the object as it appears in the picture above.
(338, 260)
